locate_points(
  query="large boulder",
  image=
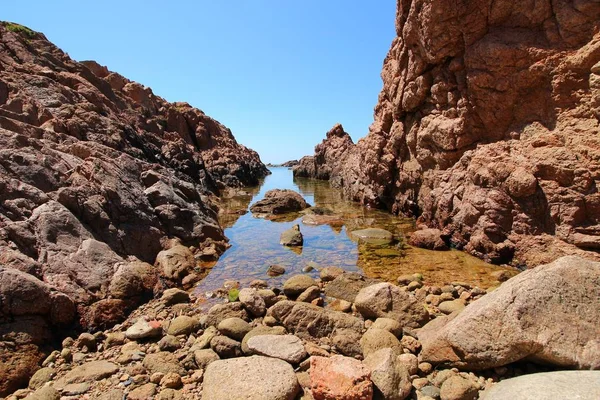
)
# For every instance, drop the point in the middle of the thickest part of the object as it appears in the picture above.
(250, 378)
(548, 314)
(580, 385)
(279, 201)
(388, 301)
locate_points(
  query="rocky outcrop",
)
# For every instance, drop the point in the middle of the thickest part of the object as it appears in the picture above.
(487, 128)
(546, 314)
(97, 176)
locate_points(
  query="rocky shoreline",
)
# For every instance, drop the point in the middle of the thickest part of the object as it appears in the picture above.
(337, 335)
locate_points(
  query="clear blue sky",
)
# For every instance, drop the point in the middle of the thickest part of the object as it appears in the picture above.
(279, 73)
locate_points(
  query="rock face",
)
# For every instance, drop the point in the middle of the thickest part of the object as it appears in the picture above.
(95, 172)
(486, 128)
(548, 314)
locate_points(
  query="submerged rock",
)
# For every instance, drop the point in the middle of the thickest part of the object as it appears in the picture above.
(373, 235)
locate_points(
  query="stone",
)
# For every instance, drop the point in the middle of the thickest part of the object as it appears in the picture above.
(328, 274)
(204, 340)
(581, 385)
(347, 342)
(347, 285)
(430, 239)
(310, 294)
(292, 237)
(542, 314)
(171, 380)
(279, 201)
(251, 378)
(261, 330)
(163, 362)
(252, 302)
(114, 339)
(226, 347)
(288, 348)
(275, 270)
(297, 284)
(448, 307)
(411, 344)
(143, 392)
(89, 372)
(169, 343)
(45, 393)
(389, 376)
(143, 329)
(388, 324)
(339, 305)
(373, 235)
(377, 339)
(458, 388)
(174, 296)
(182, 325)
(86, 340)
(309, 321)
(410, 362)
(205, 357)
(386, 300)
(40, 377)
(76, 389)
(339, 378)
(112, 394)
(235, 328)
(219, 312)
(176, 263)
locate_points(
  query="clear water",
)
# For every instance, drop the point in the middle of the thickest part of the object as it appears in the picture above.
(255, 242)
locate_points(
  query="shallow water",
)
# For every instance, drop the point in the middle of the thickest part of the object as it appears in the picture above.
(255, 242)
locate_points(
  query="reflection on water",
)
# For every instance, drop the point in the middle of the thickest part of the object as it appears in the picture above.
(255, 242)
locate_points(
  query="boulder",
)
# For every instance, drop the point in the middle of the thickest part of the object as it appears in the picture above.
(340, 378)
(388, 301)
(346, 286)
(174, 296)
(297, 284)
(288, 348)
(279, 201)
(250, 378)
(430, 239)
(261, 330)
(389, 375)
(252, 302)
(373, 236)
(376, 339)
(219, 312)
(543, 314)
(580, 385)
(176, 263)
(182, 325)
(292, 237)
(235, 328)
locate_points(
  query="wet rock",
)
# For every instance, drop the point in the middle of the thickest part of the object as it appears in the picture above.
(288, 348)
(373, 235)
(389, 376)
(252, 302)
(584, 385)
(339, 377)
(542, 314)
(387, 300)
(297, 284)
(275, 270)
(257, 377)
(292, 237)
(235, 328)
(428, 239)
(278, 201)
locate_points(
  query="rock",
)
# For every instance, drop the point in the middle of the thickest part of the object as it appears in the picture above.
(183, 325)
(112, 394)
(377, 339)
(297, 284)
(430, 239)
(347, 342)
(254, 378)
(114, 339)
(204, 340)
(347, 285)
(309, 294)
(275, 270)
(458, 388)
(309, 321)
(171, 381)
(226, 347)
(388, 324)
(339, 378)
(288, 348)
(411, 344)
(76, 389)
(86, 340)
(176, 263)
(174, 296)
(387, 300)
(143, 329)
(88, 372)
(583, 385)
(389, 376)
(45, 393)
(278, 201)
(143, 392)
(543, 314)
(205, 357)
(252, 302)
(41, 376)
(491, 163)
(134, 280)
(169, 343)
(261, 330)
(339, 305)
(170, 394)
(219, 312)
(235, 328)
(328, 274)
(448, 307)
(373, 235)
(163, 362)
(292, 237)
(410, 362)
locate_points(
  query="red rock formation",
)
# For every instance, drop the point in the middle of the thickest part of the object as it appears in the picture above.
(487, 127)
(96, 172)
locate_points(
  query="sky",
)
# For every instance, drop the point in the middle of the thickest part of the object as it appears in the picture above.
(278, 73)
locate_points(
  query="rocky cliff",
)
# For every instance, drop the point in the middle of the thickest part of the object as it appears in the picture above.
(97, 176)
(487, 127)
